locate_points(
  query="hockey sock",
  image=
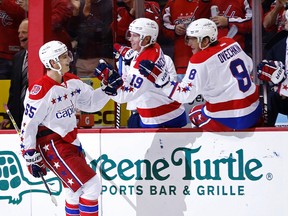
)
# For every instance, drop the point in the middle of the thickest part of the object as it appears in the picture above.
(88, 207)
(72, 210)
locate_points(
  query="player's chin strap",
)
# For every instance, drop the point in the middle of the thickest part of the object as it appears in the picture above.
(143, 47)
(58, 70)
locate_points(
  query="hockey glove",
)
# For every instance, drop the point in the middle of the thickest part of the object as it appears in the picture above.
(271, 71)
(126, 52)
(112, 84)
(34, 163)
(110, 79)
(103, 70)
(154, 73)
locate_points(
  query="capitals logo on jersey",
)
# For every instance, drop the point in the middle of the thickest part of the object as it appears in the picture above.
(35, 89)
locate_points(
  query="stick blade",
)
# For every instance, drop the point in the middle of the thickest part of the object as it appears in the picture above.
(53, 199)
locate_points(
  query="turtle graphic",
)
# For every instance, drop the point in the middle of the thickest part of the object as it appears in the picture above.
(13, 183)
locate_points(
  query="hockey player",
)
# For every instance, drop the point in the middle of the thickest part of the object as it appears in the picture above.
(49, 129)
(220, 71)
(127, 54)
(154, 107)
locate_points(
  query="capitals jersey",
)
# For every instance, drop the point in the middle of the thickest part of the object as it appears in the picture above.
(280, 19)
(53, 105)
(221, 73)
(11, 15)
(154, 107)
(124, 18)
(182, 12)
(239, 13)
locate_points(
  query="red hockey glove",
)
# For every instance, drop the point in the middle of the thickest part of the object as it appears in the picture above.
(110, 79)
(126, 52)
(271, 71)
(153, 73)
(103, 70)
(34, 163)
(112, 84)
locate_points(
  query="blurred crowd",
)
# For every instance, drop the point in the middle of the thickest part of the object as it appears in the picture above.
(90, 28)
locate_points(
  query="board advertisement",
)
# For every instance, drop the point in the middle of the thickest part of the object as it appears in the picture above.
(162, 173)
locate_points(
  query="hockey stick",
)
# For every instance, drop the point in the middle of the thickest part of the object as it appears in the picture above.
(232, 31)
(53, 199)
(118, 106)
(265, 103)
(112, 182)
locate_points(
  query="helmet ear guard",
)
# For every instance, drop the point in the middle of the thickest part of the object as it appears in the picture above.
(145, 27)
(202, 28)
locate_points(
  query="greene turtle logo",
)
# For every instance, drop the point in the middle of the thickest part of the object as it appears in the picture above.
(13, 183)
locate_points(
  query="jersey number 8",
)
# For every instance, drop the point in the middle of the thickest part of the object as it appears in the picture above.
(240, 72)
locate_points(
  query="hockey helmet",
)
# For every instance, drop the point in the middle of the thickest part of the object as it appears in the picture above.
(145, 27)
(202, 28)
(51, 51)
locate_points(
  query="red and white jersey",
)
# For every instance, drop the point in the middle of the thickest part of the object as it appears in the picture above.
(220, 73)
(182, 12)
(124, 18)
(239, 13)
(11, 15)
(280, 19)
(54, 105)
(154, 107)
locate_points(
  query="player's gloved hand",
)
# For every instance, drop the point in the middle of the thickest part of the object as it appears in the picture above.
(110, 79)
(111, 85)
(125, 52)
(103, 70)
(34, 163)
(271, 71)
(154, 73)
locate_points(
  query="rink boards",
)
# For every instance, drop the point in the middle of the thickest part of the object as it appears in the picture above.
(180, 172)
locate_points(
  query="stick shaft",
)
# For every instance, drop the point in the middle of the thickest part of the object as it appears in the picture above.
(118, 106)
(12, 119)
(19, 133)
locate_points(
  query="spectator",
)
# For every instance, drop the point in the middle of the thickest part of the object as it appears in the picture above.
(266, 35)
(19, 79)
(176, 15)
(11, 16)
(49, 130)
(266, 5)
(234, 20)
(219, 70)
(154, 107)
(62, 12)
(94, 35)
(126, 14)
(274, 19)
(23, 3)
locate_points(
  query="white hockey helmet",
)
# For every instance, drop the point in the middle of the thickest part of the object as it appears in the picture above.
(145, 27)
(202, 28)
(51, 51)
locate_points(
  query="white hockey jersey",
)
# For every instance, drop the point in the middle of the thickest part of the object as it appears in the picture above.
(53, 105)
(154, 107)
(221, 74)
